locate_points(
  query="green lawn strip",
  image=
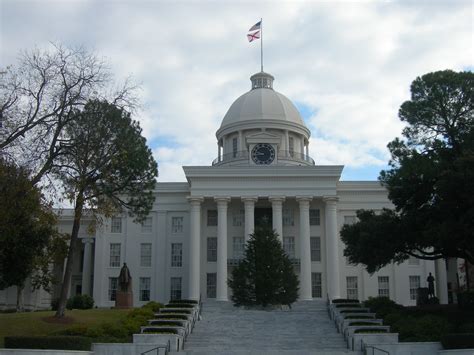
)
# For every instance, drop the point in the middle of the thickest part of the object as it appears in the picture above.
(34, 324)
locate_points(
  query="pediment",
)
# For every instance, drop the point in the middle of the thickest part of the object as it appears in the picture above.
(263, 137)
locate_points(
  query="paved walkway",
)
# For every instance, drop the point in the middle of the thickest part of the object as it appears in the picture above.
(305, 329)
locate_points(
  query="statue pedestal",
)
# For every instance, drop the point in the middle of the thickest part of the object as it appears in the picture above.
(124, 299)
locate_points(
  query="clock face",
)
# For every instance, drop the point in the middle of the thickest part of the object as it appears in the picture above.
(263, 154)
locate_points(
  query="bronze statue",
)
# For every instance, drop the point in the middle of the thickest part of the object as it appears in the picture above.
(430, 280)
(125, 280)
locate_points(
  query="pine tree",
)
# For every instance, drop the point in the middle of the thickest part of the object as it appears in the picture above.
(265, 276)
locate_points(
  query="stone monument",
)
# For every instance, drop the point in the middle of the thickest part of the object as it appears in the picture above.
(124, 297)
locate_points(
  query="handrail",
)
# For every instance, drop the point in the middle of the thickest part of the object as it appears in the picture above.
(167, 349)
(365, 347)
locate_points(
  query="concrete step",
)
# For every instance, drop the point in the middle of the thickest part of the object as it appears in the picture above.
(269, 352)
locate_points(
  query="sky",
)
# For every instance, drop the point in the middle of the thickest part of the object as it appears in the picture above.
(346, 65)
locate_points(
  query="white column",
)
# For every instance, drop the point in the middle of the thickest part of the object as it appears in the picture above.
(287, 143)
(241, 144)
(222, 248)
(87, 266)
(332, 253)
(307, 149)
(302, 145)
(305, 249)
(277, 214)
(195, 248)
(249, 208)
(219, 151)
(441, 281)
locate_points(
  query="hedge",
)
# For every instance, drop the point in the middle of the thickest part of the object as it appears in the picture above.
(361, 323)
(458, 341)
(160, 330)
(49, 342)
(167, 323)
(374, 330)
(354, 311)
(180, 305)
(466, 300)
(344, 300)
(342, 305)
(181, 311)
(80, 302)
(185, 301)
(171, 316)
(361, 316)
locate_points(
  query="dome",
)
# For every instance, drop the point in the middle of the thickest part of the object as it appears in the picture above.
(262, 103)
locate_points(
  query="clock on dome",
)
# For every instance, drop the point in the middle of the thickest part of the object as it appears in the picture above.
(263, 154)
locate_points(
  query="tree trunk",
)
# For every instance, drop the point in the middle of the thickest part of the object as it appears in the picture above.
(70, 256)
(20, 305)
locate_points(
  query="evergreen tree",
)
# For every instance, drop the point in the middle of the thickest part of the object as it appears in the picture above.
(265, 276)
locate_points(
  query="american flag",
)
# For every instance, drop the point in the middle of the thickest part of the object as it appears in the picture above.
(253, 36)
(256, 26)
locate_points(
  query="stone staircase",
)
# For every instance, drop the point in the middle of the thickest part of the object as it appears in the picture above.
(305, 329)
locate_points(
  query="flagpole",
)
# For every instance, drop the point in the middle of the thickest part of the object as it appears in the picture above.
(261, 44)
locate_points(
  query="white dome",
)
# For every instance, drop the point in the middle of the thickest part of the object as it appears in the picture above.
(262, 103)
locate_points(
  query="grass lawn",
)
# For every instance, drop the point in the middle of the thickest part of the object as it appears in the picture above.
(41, 323)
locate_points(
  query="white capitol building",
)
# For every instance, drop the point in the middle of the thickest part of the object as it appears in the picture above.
(197, 229)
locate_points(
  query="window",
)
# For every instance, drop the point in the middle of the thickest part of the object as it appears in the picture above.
(288, 217)
(114, 255)
(176, 254)
(113, 283)
(147, 225)
(238, 218)
(175, 288)
(352, 291)
(145, 254)
(314, 217)
(350, 219)
(211, 249)
(315, 248)
(291, 148)
(384, 286)
(211, 285)
(144, 289)
(316, 290)
(234, 147)
(212, 217)
(414, 286)
(289, 246)
(116, 225)
(413, 261)
(176, 225)
(238, 247)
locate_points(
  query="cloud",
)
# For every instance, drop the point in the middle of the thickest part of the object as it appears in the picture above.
(349, 64)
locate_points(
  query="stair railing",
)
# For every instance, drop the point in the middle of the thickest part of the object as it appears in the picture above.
(157, 349)
(367, 347)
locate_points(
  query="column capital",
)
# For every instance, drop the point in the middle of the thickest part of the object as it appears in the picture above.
(303, 199)
(273, 199)
(330, 199)
(193, 200)
(247, 199)
(222, 200)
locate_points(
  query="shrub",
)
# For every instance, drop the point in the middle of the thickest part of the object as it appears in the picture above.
(424, 328)
(180, 305)
(374, 330)
(458, 341)
(153, 306)
(49, 342)
(171, 316)
(382, 306)
(80, 302)
(161, 330)
(353, 311)
(344, 300)
(181, 311)
(362, 323)
(466, 300)
(184, 301)
(168, 323)
(114, 330)
(342, 305)
(362, 316)
(466, 328)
